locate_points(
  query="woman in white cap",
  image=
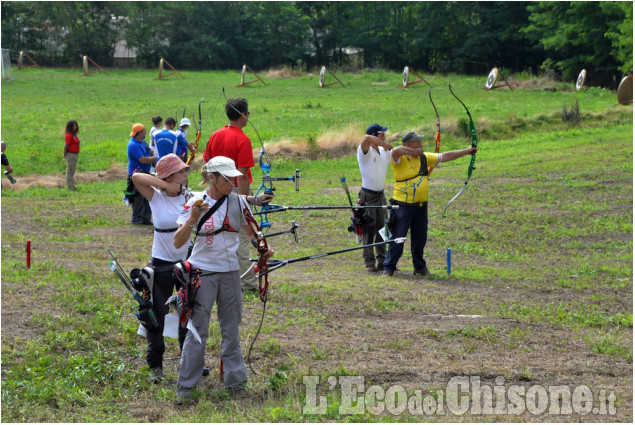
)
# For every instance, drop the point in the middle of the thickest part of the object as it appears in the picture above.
(166, 195)
(215, 259)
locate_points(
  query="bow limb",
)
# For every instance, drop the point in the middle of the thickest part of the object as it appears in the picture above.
(263, 248)
(471, 167)
(437, 138)
(262, 268)
(199, 130)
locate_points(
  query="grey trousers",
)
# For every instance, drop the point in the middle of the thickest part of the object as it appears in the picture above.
(222, 288)
(71, 165)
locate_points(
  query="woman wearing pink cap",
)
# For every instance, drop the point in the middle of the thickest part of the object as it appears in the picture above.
(166, 195)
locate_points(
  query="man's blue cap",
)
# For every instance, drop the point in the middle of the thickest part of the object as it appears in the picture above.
(375, 129)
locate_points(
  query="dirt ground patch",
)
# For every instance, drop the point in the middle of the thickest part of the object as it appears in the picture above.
(328, 315)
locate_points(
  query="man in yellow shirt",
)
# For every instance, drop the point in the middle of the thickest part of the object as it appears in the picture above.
(410, 168)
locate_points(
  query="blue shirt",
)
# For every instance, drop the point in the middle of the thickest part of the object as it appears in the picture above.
(180, 150)
(137, 149)
(169, 141)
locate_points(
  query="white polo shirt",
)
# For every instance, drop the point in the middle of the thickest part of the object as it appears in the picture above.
(373, 167)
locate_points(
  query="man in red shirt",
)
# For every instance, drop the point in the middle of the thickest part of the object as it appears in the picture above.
(230, 141)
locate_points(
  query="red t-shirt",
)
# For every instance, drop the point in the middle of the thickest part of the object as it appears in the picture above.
(231, 142)
(73, 143)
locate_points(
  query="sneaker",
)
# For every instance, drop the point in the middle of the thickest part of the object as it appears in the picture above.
(184, 395)
(156, 375)
(205, 371)
(422, 272)
(387, 272)
(236, 391)
(371, 269)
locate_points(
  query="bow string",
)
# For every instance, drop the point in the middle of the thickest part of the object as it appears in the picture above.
(437, 137)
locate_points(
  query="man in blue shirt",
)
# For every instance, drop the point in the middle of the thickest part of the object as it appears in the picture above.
(171, 141)
(140, 159)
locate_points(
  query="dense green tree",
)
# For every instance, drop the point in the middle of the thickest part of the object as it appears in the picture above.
(463, 37)
(573, 36)
(620, 32)
(148, 30)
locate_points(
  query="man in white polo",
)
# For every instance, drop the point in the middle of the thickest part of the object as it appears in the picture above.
(373, 156)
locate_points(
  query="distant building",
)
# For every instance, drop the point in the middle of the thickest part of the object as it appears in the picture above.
(124, 57)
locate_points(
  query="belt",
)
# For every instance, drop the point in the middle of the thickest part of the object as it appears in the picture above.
(166, 230)
(381, 192)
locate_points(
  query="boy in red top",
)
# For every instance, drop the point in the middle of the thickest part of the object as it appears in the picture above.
(230, 141)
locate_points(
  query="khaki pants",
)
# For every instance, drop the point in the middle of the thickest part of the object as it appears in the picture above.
(71, 165)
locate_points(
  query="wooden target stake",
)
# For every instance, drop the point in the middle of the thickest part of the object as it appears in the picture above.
(242, 76)
(85, 59)
(406, 78)
(323, 72)
(21, 66)
(161, 64)
(492, 77)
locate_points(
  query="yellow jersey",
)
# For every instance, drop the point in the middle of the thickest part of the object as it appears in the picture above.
(411, 179)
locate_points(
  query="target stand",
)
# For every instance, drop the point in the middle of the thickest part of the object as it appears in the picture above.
(406, 78)
(24, 54)
(323, 72)
(162, 64)
(581, 79)
(625, 90)
(242, 76)
(492, 77)
(85, 59)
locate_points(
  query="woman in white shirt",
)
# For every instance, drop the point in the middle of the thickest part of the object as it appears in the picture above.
(214, 256)
(166, 195)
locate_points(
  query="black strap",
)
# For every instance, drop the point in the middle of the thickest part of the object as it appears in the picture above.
(209, 213)
(203, 219)
(423, 169)
(166, 230)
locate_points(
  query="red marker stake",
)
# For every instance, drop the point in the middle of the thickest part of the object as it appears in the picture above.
(28, 253)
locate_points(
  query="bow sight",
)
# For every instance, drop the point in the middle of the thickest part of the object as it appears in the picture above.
(295, 178)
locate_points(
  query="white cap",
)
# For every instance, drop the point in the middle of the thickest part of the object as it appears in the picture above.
(184, 121)
(222, 164)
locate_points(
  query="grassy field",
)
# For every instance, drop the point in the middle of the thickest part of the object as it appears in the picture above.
(540, 294)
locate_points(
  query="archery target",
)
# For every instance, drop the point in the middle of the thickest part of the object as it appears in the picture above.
(625, 90)
(491, 78)
(406, 76)
(85, 64)
(161, 68)
(580, 82)
(322, 76)
(242, 75)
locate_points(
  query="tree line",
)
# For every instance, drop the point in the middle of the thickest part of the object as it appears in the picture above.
(554, 38)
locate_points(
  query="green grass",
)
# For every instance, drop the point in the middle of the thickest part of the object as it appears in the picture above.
(541, 241)
(37, 105)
